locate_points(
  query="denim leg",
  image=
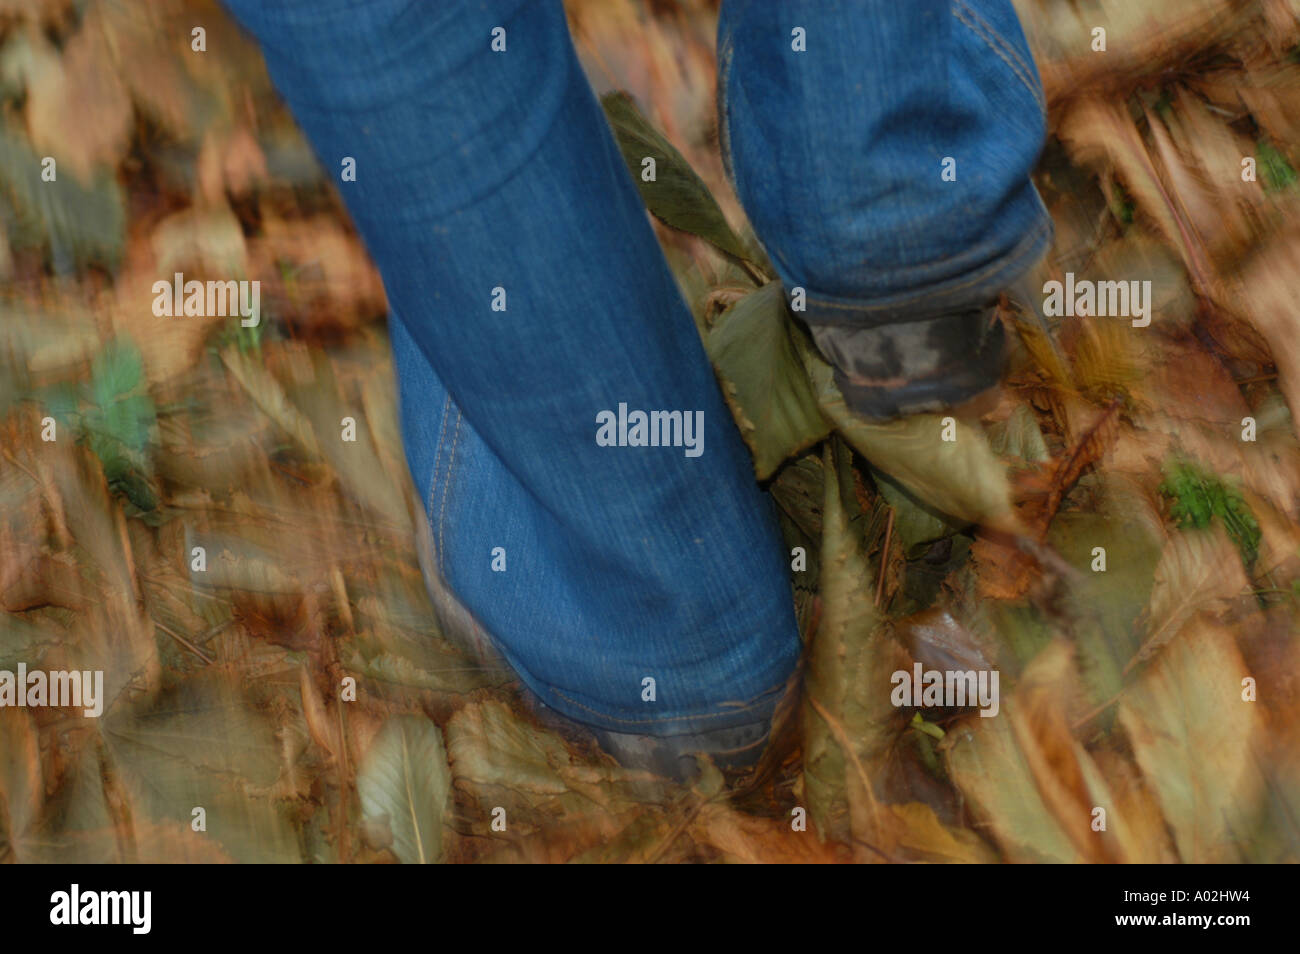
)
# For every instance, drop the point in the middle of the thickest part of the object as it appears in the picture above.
(529, 296)
(839, 151)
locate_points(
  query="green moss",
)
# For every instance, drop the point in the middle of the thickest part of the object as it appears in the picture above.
(1198, 498)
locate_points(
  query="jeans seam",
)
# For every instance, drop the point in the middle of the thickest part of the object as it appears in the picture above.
(433, 483)
(661, 720)
(999, 46)
(1027, 67)
(446, 491)
(724, 54)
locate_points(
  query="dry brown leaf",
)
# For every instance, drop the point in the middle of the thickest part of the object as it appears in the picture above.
(230, 162)
(1195, 739)
(1033, 784)
(22, 789)
(1007, 572)
(205, 240)
(1199, 572)
(1142, 39)
(169, 347)
(77, 108)
(765, 841)
(986, 764)
(501, 760)
(1101, 133)
(1267, 288)
(1134, 806)
(316, 272)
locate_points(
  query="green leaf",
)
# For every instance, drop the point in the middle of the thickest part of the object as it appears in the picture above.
(753, 350)
(961, 478)
(116, 371)
(1278, 173)
(1105, 607)
(403, 783)
(678, 197)
(849, 719)
(929, 728)
(118, 424)
(914, 522)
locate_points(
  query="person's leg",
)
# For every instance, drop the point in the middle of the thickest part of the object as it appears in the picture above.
(529, 296)
(882, 150)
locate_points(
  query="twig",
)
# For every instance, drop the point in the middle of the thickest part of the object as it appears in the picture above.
(884, 558)
(1095, 711)
(185, 642)
(758, 278)
(692, 813)
(23, 467)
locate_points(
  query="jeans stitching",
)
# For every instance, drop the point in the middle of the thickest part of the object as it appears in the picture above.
(433, 484)
(992, 37)
(1006, 45)
(724, 111)
(999, 47)
(446, 490)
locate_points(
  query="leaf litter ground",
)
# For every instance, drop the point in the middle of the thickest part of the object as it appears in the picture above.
(1122, 689)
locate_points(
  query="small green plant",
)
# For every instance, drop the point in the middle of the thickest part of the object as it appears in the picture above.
(115, 418)
(1277, 171)
(246, 339)
(1122, 205)
(1198, 497)
(929, 728)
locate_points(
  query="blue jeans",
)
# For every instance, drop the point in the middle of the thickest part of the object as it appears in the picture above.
(529, 297)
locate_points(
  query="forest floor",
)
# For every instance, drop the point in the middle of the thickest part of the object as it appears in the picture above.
(1119, 537)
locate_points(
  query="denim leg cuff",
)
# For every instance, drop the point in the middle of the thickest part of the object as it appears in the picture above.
(954, 295)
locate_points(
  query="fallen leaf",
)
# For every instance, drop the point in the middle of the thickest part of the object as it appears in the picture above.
(1195, 738)
(763, 380)
(404, 779)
